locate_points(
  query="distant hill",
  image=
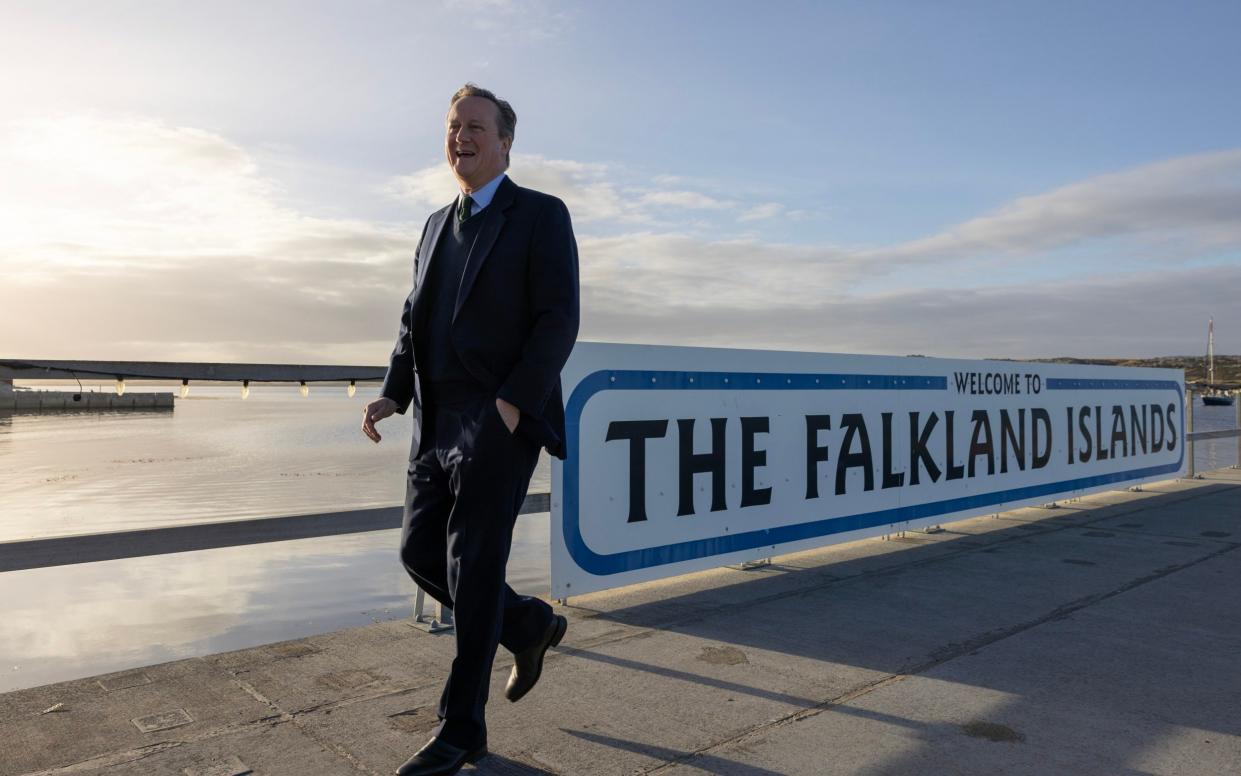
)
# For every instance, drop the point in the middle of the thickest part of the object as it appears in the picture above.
(1227, 368)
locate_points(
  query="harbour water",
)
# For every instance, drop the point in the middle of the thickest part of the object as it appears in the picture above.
(217, 457)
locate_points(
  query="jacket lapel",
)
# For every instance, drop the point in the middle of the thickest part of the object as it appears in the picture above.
(438, 219)
(425, 253)
(493, 222)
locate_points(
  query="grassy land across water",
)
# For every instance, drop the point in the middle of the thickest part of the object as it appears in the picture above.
(1227, 368)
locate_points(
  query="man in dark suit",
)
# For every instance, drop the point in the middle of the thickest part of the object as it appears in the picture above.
(483, 337)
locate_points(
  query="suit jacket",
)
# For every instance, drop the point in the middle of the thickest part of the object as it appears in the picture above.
(515, 317)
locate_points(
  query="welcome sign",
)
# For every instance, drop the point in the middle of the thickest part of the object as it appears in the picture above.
(687, 458)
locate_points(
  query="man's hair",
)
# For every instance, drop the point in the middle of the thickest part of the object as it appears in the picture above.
(506, 117)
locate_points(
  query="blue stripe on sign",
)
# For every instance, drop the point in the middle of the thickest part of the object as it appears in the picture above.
(761, 381)
(1074, 384)
(630, 560)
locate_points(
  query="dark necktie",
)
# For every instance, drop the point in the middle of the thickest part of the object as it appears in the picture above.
(465, 208)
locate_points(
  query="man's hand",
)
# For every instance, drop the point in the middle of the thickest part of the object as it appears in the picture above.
(509, 414)
(375, 412)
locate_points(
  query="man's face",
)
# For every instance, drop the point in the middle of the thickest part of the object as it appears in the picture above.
(476, 152)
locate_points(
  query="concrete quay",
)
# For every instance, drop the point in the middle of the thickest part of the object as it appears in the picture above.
(64, 401)
(1100, 637)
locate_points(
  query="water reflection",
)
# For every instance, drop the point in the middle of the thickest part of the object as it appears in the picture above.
(214, 458)
(75, 621)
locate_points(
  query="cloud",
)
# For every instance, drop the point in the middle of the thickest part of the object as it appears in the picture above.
(595, 193)
(129, 238)
(535, 20)
(1150, 314)
(763, 211)
(85, 190)
(124, 236)
(587, 188)
(661, 270)
(1196, 199)
(690, 200)
(1180, 207)
(93, 192)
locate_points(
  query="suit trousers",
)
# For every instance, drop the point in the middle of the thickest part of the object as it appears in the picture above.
(463, 494)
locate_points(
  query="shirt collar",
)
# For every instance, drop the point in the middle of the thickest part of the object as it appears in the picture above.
(483, 196)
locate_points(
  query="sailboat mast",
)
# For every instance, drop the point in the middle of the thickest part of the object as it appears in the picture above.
(1211, 352)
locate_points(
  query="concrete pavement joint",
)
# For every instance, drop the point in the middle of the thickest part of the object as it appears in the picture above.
(281, 714)
(110, 759)
(279, 717)
(1154, 535)
(285, 716)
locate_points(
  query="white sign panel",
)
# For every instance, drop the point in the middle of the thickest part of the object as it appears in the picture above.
(687, 458)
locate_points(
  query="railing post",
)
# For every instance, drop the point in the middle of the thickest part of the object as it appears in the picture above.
(1236, 399)
(440, 621)
(1189, 430)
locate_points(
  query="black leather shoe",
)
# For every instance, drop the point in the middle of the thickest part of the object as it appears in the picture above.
(528, 664)
(440, 758)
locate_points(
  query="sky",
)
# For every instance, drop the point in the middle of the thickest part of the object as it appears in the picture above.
(239, 181)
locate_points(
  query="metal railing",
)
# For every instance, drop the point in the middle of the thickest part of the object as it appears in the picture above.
(1192, 436)
(24, 554)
